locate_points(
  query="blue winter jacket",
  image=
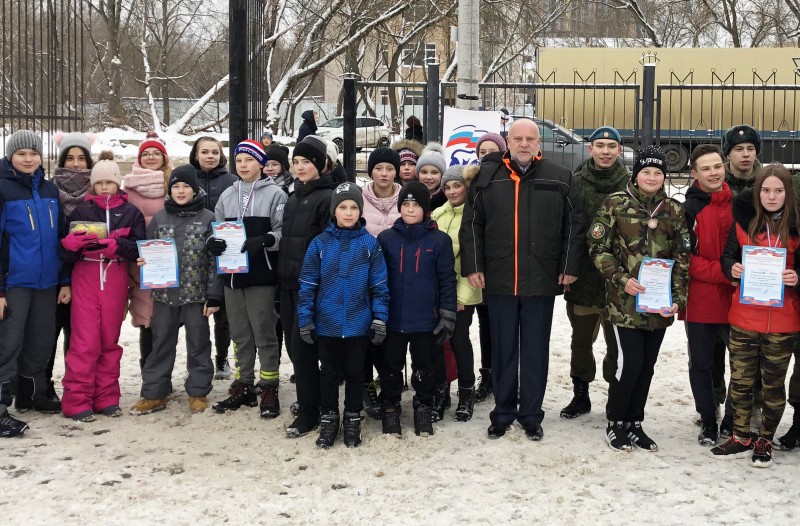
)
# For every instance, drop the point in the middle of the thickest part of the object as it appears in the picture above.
(31, 223)
(343, 283)
(422, 276)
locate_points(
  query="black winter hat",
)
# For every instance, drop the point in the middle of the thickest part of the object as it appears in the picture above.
(185, 173)
(738, 135)
(383, 155)
(415, 191)
(650, 156)
(346, 191)
(314, 149)
(278, 153)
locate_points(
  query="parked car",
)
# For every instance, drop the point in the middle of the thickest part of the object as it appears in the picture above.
(568, 148)
(370, 132)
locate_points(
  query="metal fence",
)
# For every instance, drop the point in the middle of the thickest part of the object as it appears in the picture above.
(41, 66)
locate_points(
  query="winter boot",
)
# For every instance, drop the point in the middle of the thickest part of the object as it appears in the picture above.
(390, 419)
(146, 406)
(791, 439)
(709, 433)
(240, 394)
(423, 419)
(270, 406)
(10, 426)
(441, 402)
(580, 404)
(484, 388)
(28, 399)
(328, 429)
(305, 423)
(371, 404)
(51, 394)
(466, 403)
(352, 428)
(222, 371)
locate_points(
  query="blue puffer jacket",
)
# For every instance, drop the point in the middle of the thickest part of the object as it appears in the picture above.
(343, 283)
(422, 277)
(31, 224)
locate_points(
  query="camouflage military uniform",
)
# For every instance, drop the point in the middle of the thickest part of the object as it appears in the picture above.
(621, 239)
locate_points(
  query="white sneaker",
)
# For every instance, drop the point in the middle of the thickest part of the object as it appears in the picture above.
(223, 371)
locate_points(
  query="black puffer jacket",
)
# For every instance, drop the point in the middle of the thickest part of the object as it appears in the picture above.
(306, 215)
(213, 182)
(522, 231)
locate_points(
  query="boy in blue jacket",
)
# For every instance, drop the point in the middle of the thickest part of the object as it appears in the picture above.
(344, 299)
(422, 306)
(31, 223)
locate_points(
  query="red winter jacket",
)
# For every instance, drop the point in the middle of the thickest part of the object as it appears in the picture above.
(755, 317)
(709, 217)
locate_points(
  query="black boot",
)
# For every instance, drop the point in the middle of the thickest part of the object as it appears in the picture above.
(791, 439)
(328, 429)
(372, 405)
(390, 419)
(423, 421)
(240, 395)
(441, 401)
(484, 388)
(28, 398)
(51, 394)
(580, 404)
(352, 428)
(466, 403)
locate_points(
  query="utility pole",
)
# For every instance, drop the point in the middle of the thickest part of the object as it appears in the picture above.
(468, 54)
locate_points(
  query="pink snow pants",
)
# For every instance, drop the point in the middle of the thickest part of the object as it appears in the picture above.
(91, 380)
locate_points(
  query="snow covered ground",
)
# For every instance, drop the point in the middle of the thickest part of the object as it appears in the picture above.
(173, 467)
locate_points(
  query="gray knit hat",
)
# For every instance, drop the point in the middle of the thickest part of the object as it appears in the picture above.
(346, 191)
(23, 140)
(433, 155)
(454, 173)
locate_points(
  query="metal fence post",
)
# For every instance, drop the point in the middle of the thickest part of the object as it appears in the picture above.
(648, 104)
(432, 131)
(349, 131)
(237, 88)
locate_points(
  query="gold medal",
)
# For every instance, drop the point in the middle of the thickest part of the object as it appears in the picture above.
(652, 223)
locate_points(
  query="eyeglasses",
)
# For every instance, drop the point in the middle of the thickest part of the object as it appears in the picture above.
(152, 154)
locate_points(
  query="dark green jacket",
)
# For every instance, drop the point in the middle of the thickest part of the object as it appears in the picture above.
(594, 186)
(736, 184)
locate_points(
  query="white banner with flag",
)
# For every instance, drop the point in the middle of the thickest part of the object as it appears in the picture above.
(462, 129)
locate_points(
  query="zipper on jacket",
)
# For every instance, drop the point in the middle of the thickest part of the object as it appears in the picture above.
(30, 216)
(50, 210)
(108, 216)
(419, 249)
(401, 258)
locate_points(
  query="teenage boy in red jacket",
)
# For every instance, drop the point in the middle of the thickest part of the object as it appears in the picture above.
(709, 217)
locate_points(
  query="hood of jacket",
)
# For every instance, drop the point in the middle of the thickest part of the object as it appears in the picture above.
(308, 116)
(408, 144)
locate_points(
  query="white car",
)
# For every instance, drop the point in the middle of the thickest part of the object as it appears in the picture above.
(370, 132)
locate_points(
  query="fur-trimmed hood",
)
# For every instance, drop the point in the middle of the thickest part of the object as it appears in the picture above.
(470, 172)
(407, 144)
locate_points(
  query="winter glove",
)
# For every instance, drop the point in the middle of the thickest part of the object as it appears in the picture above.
(254, 244)
(109, 248)
(447, 323)
(377, 332)
(77, 240)
(216, 246)
(308, 334)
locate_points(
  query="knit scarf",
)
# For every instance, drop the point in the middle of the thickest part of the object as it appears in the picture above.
(145, 182)
(73, 185)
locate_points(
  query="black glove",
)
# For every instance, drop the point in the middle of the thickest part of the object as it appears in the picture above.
(211, 303)
(308, 334)
(216, 246)
(256, 243)
(447, 323)
(377, 332)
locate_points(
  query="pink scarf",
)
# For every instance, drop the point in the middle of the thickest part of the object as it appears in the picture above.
(145, 182)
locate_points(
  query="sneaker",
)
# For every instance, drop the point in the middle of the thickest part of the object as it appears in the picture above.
(198, 404)
(10, 426)
(734, 447)
(639, 438)
(372, 405)
(302, 425)
(240, 395)
(295, 408)
(270, 406)
(709, 432)
(726, 428)
(390, 420)
(223, 370)
(113, 411)
(83, 416)
(145, 406)
(328, 429)
(616, 438)
(352, 428)
(423, 420)
(762, 453)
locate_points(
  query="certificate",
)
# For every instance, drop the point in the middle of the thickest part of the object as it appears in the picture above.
(160, 270)
(232, 261)
(762, 279)
(655, 275)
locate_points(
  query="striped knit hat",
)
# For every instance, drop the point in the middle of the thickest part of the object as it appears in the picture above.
(252, 148)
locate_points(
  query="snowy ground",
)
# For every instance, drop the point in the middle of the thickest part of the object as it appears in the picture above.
(173, 467)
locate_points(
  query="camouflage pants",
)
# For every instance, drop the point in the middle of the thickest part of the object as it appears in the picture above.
(586, 322)
(750, 353)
